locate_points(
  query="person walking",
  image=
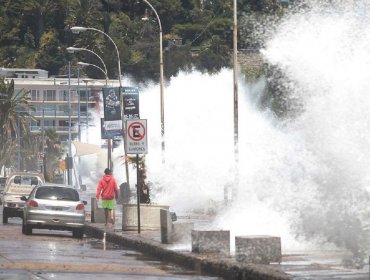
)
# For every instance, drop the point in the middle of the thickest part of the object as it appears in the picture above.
(108, 191)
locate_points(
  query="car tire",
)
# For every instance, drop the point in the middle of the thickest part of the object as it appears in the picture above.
(5, 216)
(26, 229)
(78, 233)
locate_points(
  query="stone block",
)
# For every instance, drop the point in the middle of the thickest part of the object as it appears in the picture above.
(97, 214)
(149, 216)
(210, 241)
(166, 225)
(258, 249)
(181, 232)
(172, 232)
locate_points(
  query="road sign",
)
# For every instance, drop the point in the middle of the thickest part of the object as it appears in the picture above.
(136, 137)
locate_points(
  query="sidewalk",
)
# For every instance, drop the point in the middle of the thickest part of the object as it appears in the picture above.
(295, 265)
(148, 242)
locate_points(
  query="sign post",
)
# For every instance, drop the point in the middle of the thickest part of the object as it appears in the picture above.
(136, 135)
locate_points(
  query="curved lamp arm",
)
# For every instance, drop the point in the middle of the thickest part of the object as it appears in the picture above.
(78, 29)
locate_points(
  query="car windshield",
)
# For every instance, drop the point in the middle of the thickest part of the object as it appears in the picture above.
(57, 193)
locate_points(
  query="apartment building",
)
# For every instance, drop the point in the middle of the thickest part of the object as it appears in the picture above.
(50, 99)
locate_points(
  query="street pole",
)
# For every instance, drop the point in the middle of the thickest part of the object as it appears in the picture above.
(43, 138)
(236, 126)
(19, 142)
(87, 115)
(78, 29)
(161, 80)
(69, 157)
(79, 104)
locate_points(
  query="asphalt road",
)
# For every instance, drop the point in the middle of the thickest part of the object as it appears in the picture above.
(56, 255)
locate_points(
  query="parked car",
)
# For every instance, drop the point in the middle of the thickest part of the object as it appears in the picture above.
(17, 185)
(54, 207)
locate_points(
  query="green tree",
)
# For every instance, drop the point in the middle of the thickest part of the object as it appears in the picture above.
(50, 55)
(39, 11)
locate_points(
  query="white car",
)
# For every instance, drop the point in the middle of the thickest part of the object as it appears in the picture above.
(17, 185)
(54, 207)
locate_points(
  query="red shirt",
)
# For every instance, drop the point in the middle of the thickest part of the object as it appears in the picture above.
(107, 188)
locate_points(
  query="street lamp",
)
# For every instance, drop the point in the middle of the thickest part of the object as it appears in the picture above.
(69, 157)
(74, 49)
(236, 121)
(87, 107)
(77, 30)
(161, 77)
(79, 103)
(84, 64)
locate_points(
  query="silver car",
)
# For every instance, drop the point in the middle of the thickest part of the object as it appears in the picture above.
(55, 207)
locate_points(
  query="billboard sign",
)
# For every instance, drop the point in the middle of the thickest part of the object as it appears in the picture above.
(110, 129)
(131, 102)
(112, 107)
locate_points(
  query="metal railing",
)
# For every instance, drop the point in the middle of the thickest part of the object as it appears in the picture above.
(62, 114)
(36, 128)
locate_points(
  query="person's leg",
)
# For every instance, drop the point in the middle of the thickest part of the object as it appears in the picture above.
(113, 215)
(106, 214)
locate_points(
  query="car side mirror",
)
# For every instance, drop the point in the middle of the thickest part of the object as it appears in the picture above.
(24, 198)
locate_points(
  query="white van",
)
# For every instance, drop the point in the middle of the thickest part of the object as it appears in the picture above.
(17, 185)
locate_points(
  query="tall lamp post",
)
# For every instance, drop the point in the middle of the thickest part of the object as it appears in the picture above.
(77, 30)
(161, 78)
(69, 158)
(236, 121)
(87, 108)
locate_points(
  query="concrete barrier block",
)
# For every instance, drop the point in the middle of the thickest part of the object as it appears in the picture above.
(149, 216)
(210, 241)
(258, 249)
(97, 214)
(166, 225)
(181, 232)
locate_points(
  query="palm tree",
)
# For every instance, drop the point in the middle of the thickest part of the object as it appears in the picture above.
(53, 152)
(14, 113)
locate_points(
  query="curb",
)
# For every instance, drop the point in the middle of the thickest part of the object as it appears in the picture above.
(226, 268)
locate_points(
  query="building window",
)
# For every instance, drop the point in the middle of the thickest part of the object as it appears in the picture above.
(49, 95)
(63, 95)
(35, 95)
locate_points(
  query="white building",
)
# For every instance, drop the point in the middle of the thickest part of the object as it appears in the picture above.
(50, 99)
(23, 73)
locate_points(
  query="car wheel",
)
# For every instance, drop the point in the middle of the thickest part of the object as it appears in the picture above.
(26, 229)
(78, 233)
(5, 217)
(23, 227)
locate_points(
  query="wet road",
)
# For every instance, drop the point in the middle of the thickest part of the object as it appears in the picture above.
(56, 255)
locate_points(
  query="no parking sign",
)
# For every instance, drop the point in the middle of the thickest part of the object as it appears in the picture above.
(136, 137)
